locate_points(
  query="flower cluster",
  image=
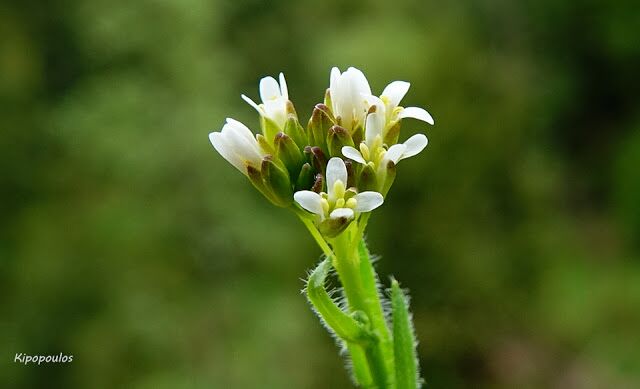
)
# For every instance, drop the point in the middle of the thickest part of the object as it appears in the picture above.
(338, 167)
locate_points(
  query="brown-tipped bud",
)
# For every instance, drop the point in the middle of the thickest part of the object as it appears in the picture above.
(392, 134)
(337, 138)
(386, 176)
(290, 109)
(318, 159)
(319, 124)
(289, 153)
(276, 180)
(351, 174)
(293, 128)
(305, 179)
(318, 183)
(368, 178)
(255, 176)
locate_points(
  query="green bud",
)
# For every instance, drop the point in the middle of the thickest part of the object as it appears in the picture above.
(293, 129)
(319, 124)
(305, 179)
(288, 152)
(368, 178)
(392, 134)
(276, 179)
(337, 138)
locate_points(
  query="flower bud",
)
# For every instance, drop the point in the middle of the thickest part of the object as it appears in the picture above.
(293, 129)
(337, 138)
(316, 158)
(264, 145)
(288, 152)
(319, 124)
(305, 179)
(276, 179)
(368, 178)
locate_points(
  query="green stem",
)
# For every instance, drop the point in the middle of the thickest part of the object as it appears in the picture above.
(358, 280)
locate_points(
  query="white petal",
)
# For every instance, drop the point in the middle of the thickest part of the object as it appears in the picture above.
(352, 153)
(311, 201)
(368, 201)
(253, 104)
(336, 170)
(241, 129)
(395, 152)
(415, 144)
(395, 92)
(360, 81)
(333, 78)
(269, 89)
(338, 213)
(416, 113)
(284, 91)
(226, 150)
(375, 124)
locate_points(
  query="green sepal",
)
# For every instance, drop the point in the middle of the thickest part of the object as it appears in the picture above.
(289, 153)
(392, 134)
(256, 178)
(368, 178)
(276, 179)
(345, 326)
(357, 134)
(386, 176)
(331, 227)
(327, 100)
(305, 179)
(269, 129)
(266, 147)
(404, 341)
(336, 139)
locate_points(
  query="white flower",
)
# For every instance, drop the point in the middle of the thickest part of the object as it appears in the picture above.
(274, 98)
(347, 92)
(333, 204)
(389, 102)
(371, 149)
(237, 144)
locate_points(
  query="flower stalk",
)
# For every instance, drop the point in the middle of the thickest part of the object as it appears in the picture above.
(332, 175)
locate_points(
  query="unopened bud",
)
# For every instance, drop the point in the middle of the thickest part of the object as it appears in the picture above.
(319, 124)
(316, 158)
(338, 137)
(306, 178)
(276, 179)
(293, 128)
(288, 152)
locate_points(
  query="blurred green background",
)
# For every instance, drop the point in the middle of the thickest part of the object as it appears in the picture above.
(128, 242)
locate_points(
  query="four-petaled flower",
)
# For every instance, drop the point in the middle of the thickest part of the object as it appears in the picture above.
(338, 203)
(274, 98)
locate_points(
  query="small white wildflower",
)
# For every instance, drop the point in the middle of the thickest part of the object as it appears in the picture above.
(338, 202)
(347, 91)
(274, 98)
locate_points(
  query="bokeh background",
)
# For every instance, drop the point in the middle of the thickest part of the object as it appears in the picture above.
(126, 241)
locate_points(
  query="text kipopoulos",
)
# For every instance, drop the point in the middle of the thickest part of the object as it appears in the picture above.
(26, 359)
